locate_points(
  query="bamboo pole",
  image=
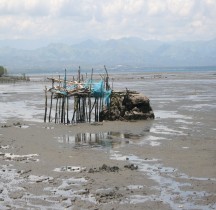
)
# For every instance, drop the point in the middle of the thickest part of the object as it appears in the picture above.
(51, 100)
(78, 109)
(59, 115)
(107, 78)
(64, 98)
(90, 108)
(45, 114)
(81, 110)
(89, 103)
(56, 111)
(84, 109)
(96, 109)
(93, 105)
(68, 121)
(100, 107)
(75, 109)
(79, 74)
(62, 109)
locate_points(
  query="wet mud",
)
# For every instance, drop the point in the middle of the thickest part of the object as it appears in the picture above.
(165, 163)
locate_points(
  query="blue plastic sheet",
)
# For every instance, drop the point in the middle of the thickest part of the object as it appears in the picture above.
(97, 90)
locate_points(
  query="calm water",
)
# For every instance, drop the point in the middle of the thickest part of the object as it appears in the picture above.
(173, 96)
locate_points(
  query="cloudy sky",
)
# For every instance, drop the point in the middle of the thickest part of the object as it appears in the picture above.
(74, 20)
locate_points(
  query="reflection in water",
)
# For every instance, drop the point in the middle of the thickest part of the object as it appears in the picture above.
(102, 139)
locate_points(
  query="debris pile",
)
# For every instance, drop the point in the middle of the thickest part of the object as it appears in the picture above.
(128, 105)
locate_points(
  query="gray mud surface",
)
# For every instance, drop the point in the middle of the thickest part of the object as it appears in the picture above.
(166, 163)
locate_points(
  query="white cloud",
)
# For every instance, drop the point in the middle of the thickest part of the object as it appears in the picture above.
(156, 7)
(120, 7)
(159, 19)
(23, 7)
(181, 7)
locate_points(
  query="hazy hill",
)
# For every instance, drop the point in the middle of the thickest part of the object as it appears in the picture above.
(126, 51)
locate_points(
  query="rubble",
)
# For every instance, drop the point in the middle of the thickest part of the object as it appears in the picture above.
(128, 106)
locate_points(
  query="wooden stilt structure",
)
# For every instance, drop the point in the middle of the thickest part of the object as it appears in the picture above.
(88, 98)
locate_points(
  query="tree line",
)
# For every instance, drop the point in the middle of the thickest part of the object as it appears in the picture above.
(3, 71)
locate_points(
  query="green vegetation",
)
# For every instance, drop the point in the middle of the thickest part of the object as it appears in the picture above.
(3, 71)
(4, 77)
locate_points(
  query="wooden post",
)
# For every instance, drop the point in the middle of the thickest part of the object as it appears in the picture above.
(45, 114)
(56, 111)
(84, 109)
(81, 109)
(96, 109)
(59, 115)
(51, 101)
(79, 75)
(64, 99)
(107, 78)
(63, 110)
(90, 108)
(89, 103)
(68, 121)
(75, 108)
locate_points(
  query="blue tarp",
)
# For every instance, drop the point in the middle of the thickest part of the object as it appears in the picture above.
(97, 90)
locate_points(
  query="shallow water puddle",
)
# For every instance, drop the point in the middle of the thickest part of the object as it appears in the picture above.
(53, 195)
(24, 126)
(109, 139)
(170, 114)
(37, 179)
(5, 147)
(19, 109)
(198, 107)
(136, 199)
(170, 189)
(152, 140)
(9, 182)
(162, 129)
(182, 121)
(70, 190)
(134, 187)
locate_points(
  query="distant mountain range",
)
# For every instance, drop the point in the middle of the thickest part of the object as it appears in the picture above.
(133, 52)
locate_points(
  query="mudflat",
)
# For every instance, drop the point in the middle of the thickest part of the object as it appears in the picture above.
(165, 163)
